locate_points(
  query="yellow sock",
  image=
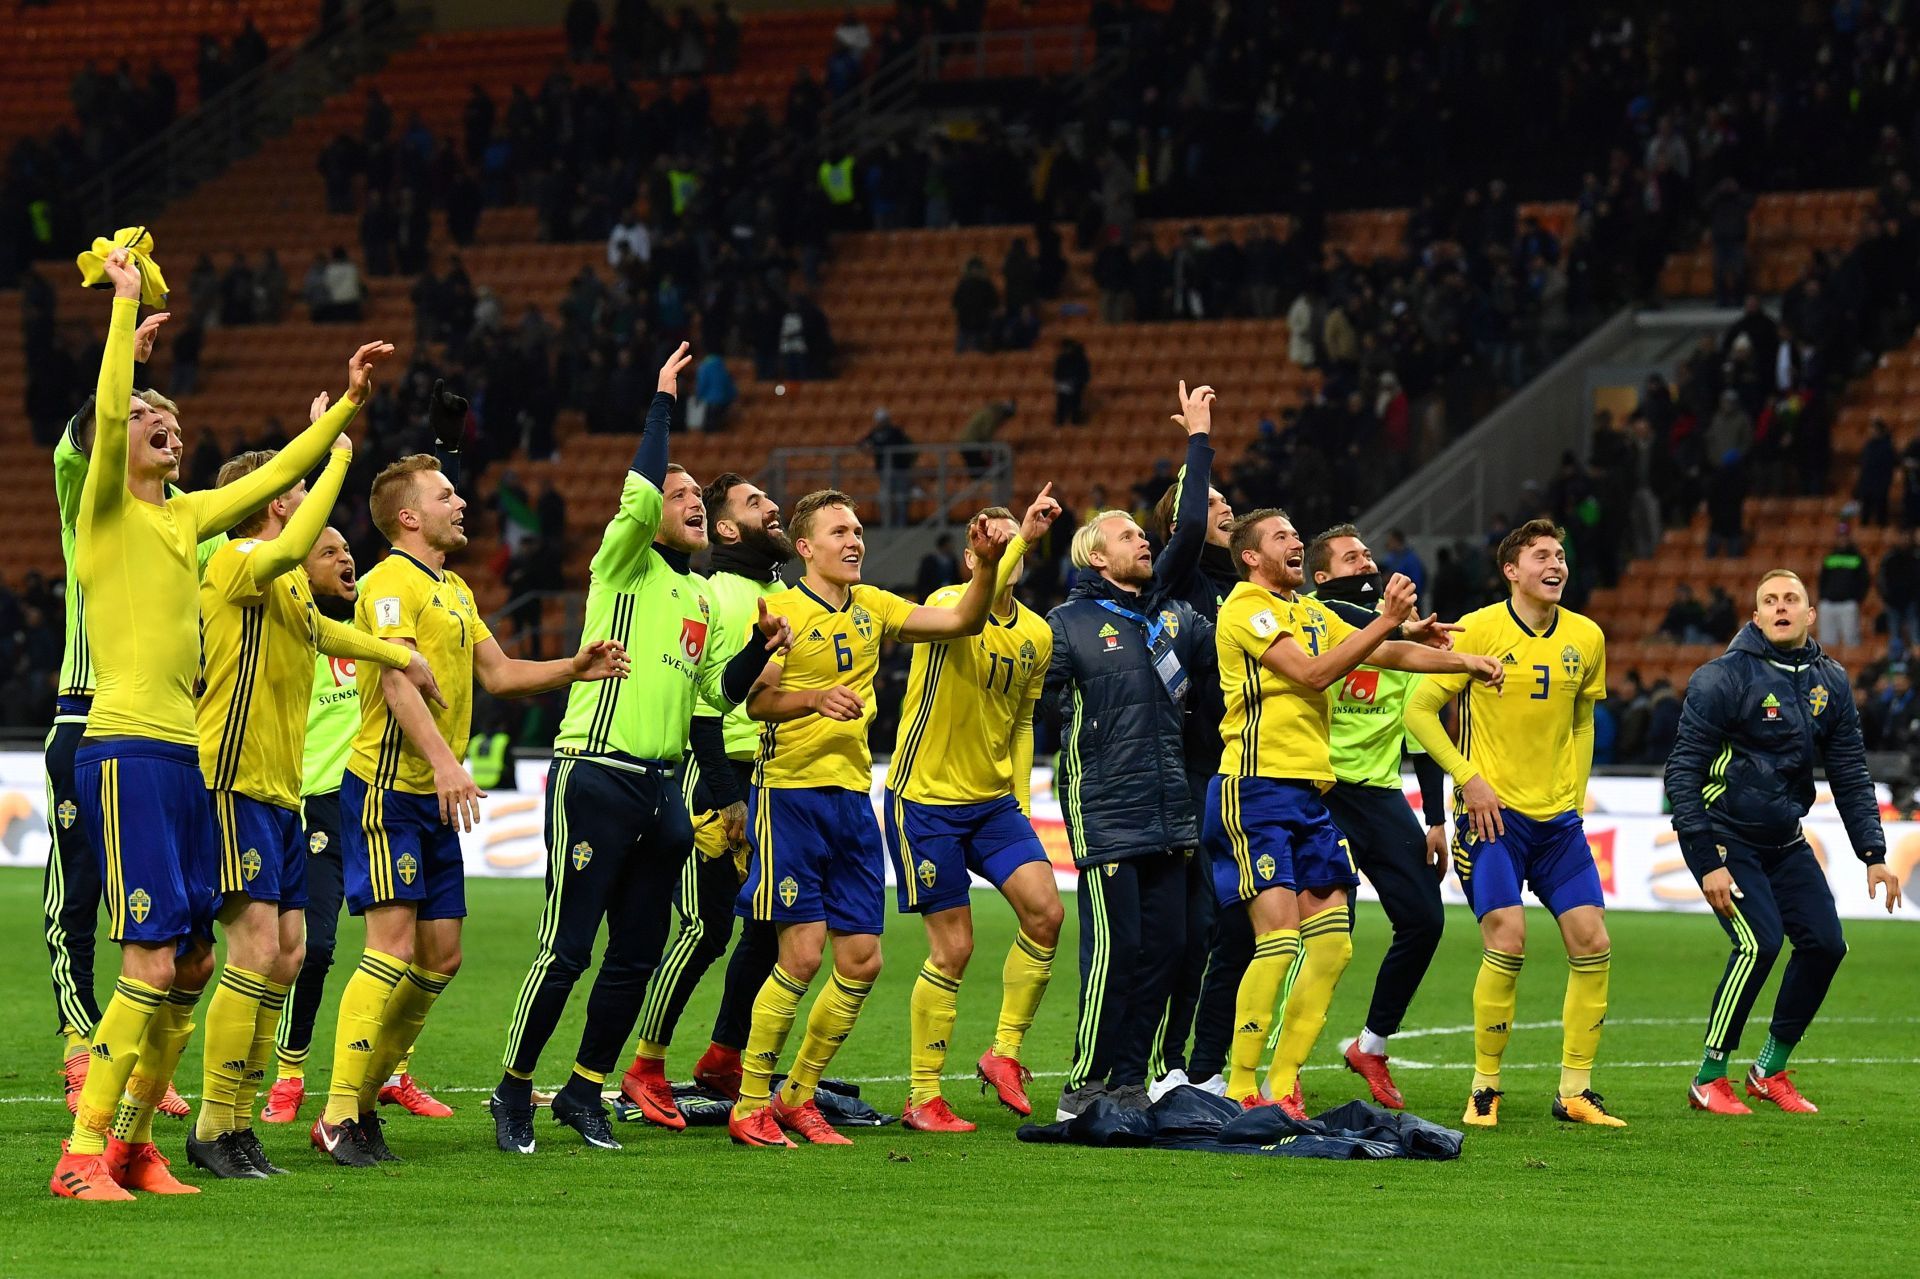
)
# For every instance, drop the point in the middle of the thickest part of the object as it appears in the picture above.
(405, 1063)
(1273, 956)
(400, 1025)
(1326, 947)
(1581, 1018)
(231, 1015)
(160, 1050)
(1023, 982)
(774, 1009)
(1495, 994)
(116, 1050)
(650, 1050)
(828, 1024)
(76, 1042)
(930, 1014)
(362, 1005)
(272, 1004)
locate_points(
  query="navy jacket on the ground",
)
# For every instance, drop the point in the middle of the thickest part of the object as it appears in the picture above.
(1122, 777)
(1755, 724)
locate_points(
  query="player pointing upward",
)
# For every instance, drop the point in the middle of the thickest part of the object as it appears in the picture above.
(1521, 776)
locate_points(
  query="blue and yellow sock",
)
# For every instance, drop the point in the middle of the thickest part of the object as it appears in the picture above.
(774, 1009)
(116, 1051)
(232, 1014)
(406, 1011)
(166, 1040)
(362, 1005)
(1259, 992)
(1496, 993)
(272, 1004)
(1581, 1017)
(931, 1011)
(1023, 983)
(1326, 948)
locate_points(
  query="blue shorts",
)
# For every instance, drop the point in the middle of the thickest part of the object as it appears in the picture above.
(263, 851)
(934, 846)
(1265, 832)
(145, 807)
(395, 848)
(1550, 857)
(814, 856)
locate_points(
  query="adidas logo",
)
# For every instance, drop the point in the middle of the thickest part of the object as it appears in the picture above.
(938, 1046)
(255, 1076)
(102, 1052)
(816, 635)
(836, 1039)
(1507, 659)
(358, 1046)
(1251, 1028)
(241, 1065)
(769, 1058)
(1500, 1029)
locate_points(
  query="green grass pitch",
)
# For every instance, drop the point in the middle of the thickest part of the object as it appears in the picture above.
(1673, 1193)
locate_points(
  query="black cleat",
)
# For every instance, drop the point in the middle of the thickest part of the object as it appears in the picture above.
(224, 1157)
(512, 1126)
(370, 1126)
(589, 1121)
(343, 1142)
(249, 1143)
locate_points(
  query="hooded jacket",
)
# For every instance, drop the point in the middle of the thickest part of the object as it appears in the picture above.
(1122, 775)
(1755, 724)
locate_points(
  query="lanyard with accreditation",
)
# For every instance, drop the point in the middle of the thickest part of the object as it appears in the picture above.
(1166, 662)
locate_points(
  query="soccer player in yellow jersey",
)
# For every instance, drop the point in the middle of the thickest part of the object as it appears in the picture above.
(1274, 848)
(406, 795)
(260, 630)
(959, 796)
(1520, 773)
(142, 794)
(816, 867)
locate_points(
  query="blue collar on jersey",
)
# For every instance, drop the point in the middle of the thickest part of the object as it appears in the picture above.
(438, 577)
(1551, 626)
(808, 592)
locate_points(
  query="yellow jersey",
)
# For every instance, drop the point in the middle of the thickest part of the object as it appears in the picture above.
(1520, 739)
(831, 647)
(403, 599)
(259, 632)
(137, 562)
(968, 702)
(1273, 726)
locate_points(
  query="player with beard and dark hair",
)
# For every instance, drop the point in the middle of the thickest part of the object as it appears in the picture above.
(750, 547)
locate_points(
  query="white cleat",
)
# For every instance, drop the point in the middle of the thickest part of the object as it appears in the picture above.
(1216, 1085)
(1167, 1083)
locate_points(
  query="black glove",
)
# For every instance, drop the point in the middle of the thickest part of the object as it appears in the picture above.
(448, 414)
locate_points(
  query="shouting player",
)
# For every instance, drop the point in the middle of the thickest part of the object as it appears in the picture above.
(959, 802)
(1521, 777)
(1275, 850)
(142, 793)
(618, 834)
(1740, 778)
(749, 548)
(817, 865)
(407, 796)
(260, 632)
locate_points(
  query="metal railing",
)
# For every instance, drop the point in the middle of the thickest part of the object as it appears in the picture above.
(236, 121)
(899, 486)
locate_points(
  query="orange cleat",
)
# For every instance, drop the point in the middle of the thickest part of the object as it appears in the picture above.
(75, 1069)
(1294, 1104)
(1483, 1108)
(1587, 1107)
(645, 1085)
(718, 1069)
(1256, 1101)
(933, 1116)
(1008, 1079)
(1716, 1098)
(1779, 1090)
(173, 1105)
(143, 1167)
(1372, 1067)
(806, 1120)
(407, 1094)
(86, 1177)
(283, 1101)
(758, 1128)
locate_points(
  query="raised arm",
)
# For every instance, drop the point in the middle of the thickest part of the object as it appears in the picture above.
(629, 536)
(968, 614)
(290, 549)
(1180, 557)
(1321, 671)
(226, 506)
(1419, 659)
(104, 491)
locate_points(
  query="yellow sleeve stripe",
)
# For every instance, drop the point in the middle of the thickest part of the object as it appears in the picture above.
(1251, 703)
(910, 748)
(116, 878)
(233, 732)
(1237, 840)
(763, 840)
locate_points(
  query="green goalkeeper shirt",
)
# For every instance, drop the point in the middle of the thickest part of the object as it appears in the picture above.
(333, 717)
(1368, 729)
(736, 608)
(69, 476)
(645, 596)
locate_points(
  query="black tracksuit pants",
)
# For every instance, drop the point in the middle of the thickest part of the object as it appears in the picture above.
(326, 890)
(70, 894)
(1390, 848)
(1783, 897)
(1133, 925)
